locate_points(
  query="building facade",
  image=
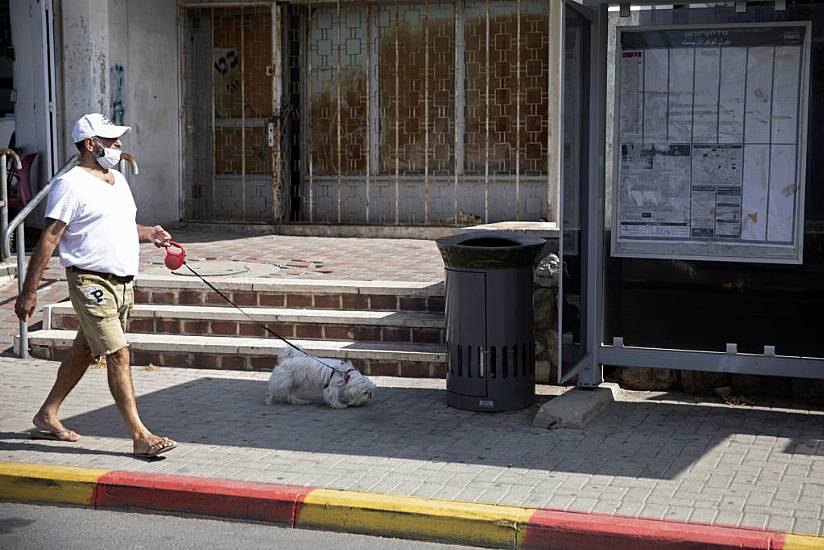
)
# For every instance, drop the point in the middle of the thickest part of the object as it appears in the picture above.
(416, 113)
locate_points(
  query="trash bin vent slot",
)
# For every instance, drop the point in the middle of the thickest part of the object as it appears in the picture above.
(515, 359)
(489, 242)
(469, 361)
(514, 362)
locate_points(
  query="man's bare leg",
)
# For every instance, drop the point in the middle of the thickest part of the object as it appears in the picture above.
(69, 374)
(120, 384)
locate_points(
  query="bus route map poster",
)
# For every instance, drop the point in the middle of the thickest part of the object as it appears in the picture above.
(711, 142)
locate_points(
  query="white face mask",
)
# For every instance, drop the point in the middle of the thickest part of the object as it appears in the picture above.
(109, 158)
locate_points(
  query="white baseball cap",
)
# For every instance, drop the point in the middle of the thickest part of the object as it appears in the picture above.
(95, 124)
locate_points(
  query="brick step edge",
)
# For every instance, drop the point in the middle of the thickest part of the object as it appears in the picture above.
(221, 353)
(410, 327)
(304, 331)
(294, 293)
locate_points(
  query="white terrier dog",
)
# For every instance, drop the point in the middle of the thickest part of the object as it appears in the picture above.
(297, 376)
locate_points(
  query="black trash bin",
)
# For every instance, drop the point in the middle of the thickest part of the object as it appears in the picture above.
(489, 320)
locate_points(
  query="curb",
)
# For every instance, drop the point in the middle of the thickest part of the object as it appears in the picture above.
(375, 514)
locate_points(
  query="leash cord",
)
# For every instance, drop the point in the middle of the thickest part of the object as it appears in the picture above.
(261, 325)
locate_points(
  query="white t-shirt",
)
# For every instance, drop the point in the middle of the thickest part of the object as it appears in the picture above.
(101, 233)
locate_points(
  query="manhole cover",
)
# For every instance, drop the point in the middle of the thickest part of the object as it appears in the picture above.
(213, 268)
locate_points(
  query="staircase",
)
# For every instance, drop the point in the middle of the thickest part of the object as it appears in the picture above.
(384, 328)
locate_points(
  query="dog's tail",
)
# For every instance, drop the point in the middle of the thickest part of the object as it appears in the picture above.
(287, 352)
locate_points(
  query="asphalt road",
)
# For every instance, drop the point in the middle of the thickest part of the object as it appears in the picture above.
(30, 527)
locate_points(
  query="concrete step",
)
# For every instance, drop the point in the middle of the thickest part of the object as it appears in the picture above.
(365, 325)
(292, 293)
(237, 353)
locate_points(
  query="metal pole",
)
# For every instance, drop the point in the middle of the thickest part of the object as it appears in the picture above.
(23, 350)
(487, 34)
(4, 194)
(518, 115)
(213, 205)
(426, 113)
(278, 191)
(459, 86)
(397, 113)
(339, 156)
(309, 141)
(242, 114)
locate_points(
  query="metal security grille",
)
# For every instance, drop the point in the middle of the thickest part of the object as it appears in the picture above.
(420, 113)
(229, 103)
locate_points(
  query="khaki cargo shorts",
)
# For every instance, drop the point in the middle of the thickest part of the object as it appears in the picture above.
(102, 304)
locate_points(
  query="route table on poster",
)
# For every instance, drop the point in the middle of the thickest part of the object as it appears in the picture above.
(711, 142)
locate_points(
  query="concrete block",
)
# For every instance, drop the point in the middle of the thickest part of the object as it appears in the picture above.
(576, 408)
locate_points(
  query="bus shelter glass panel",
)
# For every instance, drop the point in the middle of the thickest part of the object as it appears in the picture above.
(574, 191)
(677, 301)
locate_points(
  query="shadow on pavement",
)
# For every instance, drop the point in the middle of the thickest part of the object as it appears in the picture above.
(22, 443)
(637, 439)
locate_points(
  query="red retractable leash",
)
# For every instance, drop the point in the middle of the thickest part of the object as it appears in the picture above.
(176, 260)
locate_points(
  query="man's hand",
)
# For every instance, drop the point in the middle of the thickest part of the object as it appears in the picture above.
(27, 301)
(25, 304)
(159, 236)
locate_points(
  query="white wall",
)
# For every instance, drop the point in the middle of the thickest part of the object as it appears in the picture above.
(151, 74)
(133, 42)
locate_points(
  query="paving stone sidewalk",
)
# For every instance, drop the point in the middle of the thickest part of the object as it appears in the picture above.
(282, 256)
(652, 455)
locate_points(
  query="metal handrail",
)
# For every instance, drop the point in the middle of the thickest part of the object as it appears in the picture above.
(127, 158)
(4, 185)
(17, 223)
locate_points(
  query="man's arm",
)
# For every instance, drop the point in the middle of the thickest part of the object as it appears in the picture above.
(27, 301)
(156, 234)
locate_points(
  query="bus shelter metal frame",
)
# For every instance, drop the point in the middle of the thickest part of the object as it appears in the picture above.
(589, 370)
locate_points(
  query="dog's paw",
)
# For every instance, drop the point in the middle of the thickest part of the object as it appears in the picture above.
(297, 400)
(267, 401)
(338, 405)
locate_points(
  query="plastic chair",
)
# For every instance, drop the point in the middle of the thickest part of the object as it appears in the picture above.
(22, 194)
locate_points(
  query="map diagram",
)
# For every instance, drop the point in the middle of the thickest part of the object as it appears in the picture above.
(709, 135)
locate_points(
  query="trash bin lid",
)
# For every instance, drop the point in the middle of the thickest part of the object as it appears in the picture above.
(490, 249)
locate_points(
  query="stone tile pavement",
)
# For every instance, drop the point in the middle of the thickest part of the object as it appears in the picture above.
(292, 257)
(651, 455)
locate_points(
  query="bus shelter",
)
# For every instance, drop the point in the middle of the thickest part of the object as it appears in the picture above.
(691, 208)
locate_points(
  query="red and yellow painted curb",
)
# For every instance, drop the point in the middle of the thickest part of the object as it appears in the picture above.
(57, 484)
(377, 514)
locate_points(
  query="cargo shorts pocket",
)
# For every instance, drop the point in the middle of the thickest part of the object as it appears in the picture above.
(97, 307)
(96, 299)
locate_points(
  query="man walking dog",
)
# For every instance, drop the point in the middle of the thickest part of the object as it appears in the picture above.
(90, 215)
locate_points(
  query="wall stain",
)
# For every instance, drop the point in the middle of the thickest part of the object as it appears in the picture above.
(117, 109)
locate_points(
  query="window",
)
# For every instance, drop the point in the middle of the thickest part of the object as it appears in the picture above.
(421, 113)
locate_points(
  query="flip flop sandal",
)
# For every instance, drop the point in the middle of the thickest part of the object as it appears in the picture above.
(160, 449)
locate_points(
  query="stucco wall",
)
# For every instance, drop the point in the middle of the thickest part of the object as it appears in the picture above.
(121, 58)
(147, 51)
